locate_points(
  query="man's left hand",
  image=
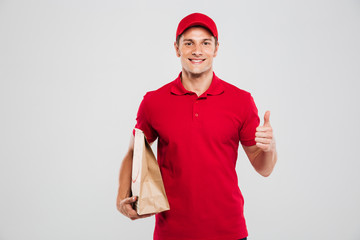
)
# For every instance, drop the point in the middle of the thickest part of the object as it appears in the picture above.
(264, 135)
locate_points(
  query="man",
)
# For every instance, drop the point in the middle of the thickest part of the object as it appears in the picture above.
(199, 121)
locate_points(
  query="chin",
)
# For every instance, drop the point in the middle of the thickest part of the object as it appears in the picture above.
(197, 71)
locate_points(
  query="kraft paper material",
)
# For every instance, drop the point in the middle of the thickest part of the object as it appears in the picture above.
(147, 182)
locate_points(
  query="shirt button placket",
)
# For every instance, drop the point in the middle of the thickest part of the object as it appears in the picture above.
(196, 109)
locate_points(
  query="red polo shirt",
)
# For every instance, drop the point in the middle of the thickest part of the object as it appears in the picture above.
(198, 140)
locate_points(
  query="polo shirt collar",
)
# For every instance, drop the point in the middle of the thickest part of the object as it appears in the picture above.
(216, 87)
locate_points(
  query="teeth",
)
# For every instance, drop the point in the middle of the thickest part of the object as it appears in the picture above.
(197, 61)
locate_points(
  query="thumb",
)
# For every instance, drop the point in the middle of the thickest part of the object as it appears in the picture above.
(267, 118)
(131, 199)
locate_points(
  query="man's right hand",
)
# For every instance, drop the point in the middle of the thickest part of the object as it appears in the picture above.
(125, 207)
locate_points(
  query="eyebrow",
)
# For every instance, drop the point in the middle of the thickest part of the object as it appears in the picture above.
(205, 39)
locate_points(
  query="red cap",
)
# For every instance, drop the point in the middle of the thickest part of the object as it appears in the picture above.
(197, 19)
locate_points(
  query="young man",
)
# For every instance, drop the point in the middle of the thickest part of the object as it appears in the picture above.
(199, 121)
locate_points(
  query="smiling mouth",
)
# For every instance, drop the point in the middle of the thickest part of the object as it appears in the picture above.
(196, 60)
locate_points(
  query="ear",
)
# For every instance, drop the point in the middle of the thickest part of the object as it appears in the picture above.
(216, 49)
(177, 49)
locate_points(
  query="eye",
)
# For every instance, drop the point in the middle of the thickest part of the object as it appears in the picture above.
(207, 43)
(187, 43)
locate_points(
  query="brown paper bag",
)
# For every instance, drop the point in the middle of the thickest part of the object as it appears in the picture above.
(147, 182)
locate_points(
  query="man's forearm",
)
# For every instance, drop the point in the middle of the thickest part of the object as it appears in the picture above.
(125, 176)
(264, 162)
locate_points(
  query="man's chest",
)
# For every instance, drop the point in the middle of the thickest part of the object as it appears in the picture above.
(181, 118)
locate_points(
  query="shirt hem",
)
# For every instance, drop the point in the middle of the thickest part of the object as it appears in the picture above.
(227, 237)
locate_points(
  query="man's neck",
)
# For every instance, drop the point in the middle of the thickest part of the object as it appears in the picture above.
(197, 83)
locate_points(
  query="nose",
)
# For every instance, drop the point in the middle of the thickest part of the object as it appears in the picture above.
(197, 50)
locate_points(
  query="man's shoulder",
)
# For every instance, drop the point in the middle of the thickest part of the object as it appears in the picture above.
(234, 90)
(160, 92)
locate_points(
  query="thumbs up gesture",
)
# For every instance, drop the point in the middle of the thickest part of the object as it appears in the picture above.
(264, 135)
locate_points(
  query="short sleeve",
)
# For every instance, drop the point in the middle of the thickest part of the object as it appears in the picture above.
(143, 120)
(250, 123)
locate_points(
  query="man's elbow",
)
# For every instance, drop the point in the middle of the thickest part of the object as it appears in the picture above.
(265, 172)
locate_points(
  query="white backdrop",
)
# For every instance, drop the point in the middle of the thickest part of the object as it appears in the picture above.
(73, 73)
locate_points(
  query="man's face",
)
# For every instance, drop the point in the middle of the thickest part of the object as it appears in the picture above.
(196, 50)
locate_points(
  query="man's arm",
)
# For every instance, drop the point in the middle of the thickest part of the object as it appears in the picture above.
(124, 199)
(263, 155)
(263, 162)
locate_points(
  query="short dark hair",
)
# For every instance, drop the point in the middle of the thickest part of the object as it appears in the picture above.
(178, 38)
